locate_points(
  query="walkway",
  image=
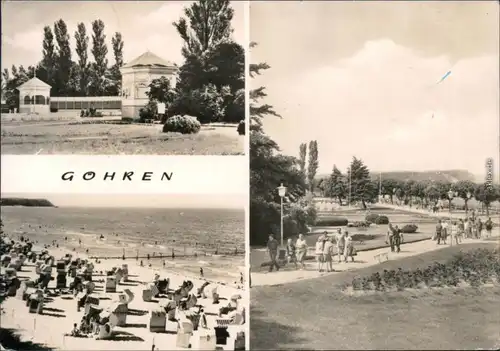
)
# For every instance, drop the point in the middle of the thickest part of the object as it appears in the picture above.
(362, 260)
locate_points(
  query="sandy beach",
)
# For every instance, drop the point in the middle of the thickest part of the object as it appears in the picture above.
(60, 312)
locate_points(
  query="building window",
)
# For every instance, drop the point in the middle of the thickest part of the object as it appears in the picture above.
(27, 100)
(39, 100)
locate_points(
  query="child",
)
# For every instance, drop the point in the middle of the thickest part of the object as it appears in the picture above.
(290, 252)
(319, 253)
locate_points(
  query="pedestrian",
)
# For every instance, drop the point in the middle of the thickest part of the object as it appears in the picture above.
(467, 228)
(291, 254)
(439, 231)
(272, 250)
(444, 231)
(301, 247)
(489, 227)
(454, 233)
(319, 252)
(201, 272)
(461, 230)
(328, 254)
(479, 229)
(397, 237)
(390, 237)
(349, 247)
(340, 244)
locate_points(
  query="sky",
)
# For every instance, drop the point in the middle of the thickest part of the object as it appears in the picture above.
(136, 201)
(144, 25)
(361, 79)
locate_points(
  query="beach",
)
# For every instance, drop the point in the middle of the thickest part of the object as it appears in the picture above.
(117, 237)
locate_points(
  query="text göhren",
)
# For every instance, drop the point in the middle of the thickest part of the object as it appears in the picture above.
(112, 176)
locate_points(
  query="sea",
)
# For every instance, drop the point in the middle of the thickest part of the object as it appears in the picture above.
(212, 239)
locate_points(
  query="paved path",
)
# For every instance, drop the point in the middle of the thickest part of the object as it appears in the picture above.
(362, 260)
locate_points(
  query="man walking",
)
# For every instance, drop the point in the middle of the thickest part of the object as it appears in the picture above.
(439, 229)
(272, 249)
(489, 227)
(479, 228)
(397, 237)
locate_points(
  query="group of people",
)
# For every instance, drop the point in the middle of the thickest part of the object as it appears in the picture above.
(326, 248)
(471, 228)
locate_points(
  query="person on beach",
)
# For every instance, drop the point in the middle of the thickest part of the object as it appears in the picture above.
(272, 250)
(439, 231)
(328, 254)
(291, 253)
(301, 247)
(340, 244)
(201, 272)
(489, 227)
(320, 243)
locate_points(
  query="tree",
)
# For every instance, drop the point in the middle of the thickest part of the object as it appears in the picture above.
(99, 51)
(114, 72)
(207, 104)
(335, 186)
(302, 158)
(312, 165)
(48, 66)
(389, 187)
(418, 190)
(361, 186)
(487, 193)
(465, 189)
(82, 44)
(268, 169)
(64, 62)
(432, 193)
(160, 90)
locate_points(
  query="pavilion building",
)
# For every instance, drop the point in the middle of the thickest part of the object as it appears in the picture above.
(136, 77)
(34, 97)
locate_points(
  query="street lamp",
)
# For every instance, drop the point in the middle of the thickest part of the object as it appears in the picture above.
(469, 196)
(451, 195)
(282, 193)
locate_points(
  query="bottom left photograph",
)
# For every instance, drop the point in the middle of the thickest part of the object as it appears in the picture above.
(122, 272)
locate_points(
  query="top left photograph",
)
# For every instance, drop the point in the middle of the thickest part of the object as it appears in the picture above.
(123, 77)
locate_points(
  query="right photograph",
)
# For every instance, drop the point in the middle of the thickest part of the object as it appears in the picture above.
(374, 189)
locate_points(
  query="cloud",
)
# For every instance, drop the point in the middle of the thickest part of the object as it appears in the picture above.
(378, 105)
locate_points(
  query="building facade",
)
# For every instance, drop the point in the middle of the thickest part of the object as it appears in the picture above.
(34, 97)
(136, 77)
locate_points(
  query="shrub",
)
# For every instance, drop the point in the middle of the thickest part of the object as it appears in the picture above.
(54, 109)
(409, 228)
(359, 224)
(241, 128)
(371, 217)
(382, 220)
(127, 119)
(182, 124)
(332, 222)
(149, 111)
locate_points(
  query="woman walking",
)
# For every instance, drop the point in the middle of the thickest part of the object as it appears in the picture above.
(301, 248)
(340, 245)
(328, 254)
(320, 243)
(349, 247)
(291, 252)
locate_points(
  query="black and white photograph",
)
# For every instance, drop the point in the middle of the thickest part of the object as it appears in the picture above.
(374, 192)
(123, 77)
(122, 272)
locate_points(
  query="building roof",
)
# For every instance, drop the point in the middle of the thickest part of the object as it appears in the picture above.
(148, 59)
(34, 83)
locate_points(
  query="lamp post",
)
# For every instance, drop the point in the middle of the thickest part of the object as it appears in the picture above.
(282, 193)
(451, 195)
(469, 195)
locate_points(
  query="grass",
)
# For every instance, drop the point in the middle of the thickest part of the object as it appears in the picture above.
(105, 139)
(315, 314)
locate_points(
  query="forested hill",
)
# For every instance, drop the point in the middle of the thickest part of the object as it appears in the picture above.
(12, 201)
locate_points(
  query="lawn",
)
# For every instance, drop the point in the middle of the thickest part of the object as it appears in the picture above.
(315, 314)
(68, 137)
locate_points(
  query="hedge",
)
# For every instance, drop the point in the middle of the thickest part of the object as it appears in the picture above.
(382, 220)
(410, 228)
(182, 124)
(332, 222)
(371, 217)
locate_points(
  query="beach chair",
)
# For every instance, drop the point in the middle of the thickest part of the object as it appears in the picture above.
(125, 272)
(239, 342)
(118, 314)
(194, 318)
(110, 286)
(149, 293)
(191, 301)
(6, 260)
(105, 331)
(35, 302)
(89, 287)
(61, 280)
(201, 290)
(221, 333)
(91, 303)
(238, 316)
(170, 308)
(184, 333)
(157, 320)
(163, 285)
(12, 286)
(208, 341)
(23, 288)
(215, 295)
